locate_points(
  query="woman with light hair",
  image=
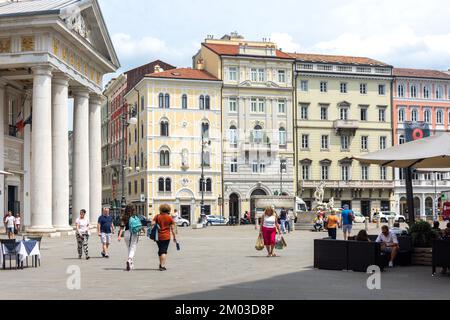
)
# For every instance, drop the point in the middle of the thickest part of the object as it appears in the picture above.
(269, 227)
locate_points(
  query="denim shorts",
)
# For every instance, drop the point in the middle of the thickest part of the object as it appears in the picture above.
(347, 228)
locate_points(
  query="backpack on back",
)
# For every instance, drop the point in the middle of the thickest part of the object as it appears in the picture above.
(135, 225)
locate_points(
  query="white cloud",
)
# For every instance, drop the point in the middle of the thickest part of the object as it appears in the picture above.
(127, 46)
(285, 42)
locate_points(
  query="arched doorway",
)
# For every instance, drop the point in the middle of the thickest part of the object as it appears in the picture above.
(417, 206)
(403, 206)
(256, 192)
(234, 205)
(429, 206)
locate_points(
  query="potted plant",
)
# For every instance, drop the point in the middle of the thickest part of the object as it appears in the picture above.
(422, 236)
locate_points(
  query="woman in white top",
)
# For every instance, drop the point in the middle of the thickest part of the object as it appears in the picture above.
(82, 225)
(18, 223)
(269, 227)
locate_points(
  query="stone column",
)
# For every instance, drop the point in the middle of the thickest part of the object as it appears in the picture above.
(60, 149)
(26, 217)
(80, 163)
(95, 158)
(2, 146)
(41, 152)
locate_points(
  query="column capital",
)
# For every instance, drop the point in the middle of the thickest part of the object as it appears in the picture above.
(80, 92)
(95, 98)
(43, 70)
(60, 79)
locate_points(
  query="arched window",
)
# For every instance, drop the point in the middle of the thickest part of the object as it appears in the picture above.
(164, 158)
(142, 160)
(282, 136)
(142, 103)
(427, 116)
(206, 159)
(257, 134)
(233, 136)
(201, 185)
(168, 185)
(401, 139)
(401, 115)
(161, 100)
(184, 101)
(209, 185)
(414, 115)
(167, 101)
(164, 128)
(439, 117)
(202, 102)
(205, 130)
(161, 185)
(207, 103)
(439, 92)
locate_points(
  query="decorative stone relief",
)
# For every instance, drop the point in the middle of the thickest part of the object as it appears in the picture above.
(27, 44)
(77, 23)
(5, 45)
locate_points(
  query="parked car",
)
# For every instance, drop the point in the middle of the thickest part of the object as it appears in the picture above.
(359, 218)
(183, 222)
(384, 217)
(215, 220)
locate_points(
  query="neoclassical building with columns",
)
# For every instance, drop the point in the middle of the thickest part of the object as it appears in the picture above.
(51, 51)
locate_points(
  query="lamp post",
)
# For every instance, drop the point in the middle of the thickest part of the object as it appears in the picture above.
(202, 177)
(125, 122)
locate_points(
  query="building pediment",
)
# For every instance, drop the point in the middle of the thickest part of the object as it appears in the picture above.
(245, 84)
(306, 162)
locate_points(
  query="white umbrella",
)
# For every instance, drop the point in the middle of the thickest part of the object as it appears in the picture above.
(431, 152)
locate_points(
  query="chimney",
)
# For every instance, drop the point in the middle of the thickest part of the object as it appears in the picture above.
(158, 69)
(200, 64)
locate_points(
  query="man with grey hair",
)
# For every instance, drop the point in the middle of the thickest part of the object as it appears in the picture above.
(105, 227)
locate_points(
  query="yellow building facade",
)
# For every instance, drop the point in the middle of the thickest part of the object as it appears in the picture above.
(257, 117)
(343, 109)
(176, 108)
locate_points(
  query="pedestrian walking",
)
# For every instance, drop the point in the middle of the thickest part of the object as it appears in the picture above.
(82, 234)
(269, 227)
(333, 223)
(347, 221)
(165, 224)
(18, 223)
(131, 239)
(283, 219)
(175, 220)
(10, 225)
(105, 228)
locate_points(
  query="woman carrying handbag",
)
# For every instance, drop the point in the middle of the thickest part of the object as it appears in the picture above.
(269, 228)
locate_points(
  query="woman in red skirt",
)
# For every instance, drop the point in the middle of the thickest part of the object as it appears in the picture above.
(269, 227)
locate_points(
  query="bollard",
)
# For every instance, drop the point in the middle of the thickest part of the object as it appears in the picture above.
(367, 225)
(378, 223)
(390, 223)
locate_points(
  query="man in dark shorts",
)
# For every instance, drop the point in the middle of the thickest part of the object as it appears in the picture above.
(105, 228)
(165, 228)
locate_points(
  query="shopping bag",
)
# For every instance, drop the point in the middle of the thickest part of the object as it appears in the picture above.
(280, 244)
(259, 243)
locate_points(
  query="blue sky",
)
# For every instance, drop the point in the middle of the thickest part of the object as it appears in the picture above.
(404, 33)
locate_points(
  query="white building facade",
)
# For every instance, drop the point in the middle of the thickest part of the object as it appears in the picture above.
(50, 51)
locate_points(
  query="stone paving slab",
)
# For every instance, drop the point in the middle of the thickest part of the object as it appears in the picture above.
(214, 263)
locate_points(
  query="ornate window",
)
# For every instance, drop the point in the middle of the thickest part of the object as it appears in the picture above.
(184, 101)
(164, 126)
(164, 158)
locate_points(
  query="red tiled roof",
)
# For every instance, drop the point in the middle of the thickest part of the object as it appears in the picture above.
(421, 73)
(324, 58)
(233, 50)
(184, 73)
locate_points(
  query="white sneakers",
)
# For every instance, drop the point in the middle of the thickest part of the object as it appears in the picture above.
(391, 264)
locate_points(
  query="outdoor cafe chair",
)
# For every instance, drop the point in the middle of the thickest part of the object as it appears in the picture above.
(10, 244)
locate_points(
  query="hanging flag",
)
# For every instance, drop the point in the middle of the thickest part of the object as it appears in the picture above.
(19, 122)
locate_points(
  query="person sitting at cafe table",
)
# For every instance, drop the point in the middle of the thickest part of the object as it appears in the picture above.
(389, 243)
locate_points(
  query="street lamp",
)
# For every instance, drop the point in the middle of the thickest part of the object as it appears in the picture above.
(202, 178)
(126, 119)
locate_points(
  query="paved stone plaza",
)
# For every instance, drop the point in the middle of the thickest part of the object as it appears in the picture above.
(214, 263)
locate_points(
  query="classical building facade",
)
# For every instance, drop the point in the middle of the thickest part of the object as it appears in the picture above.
(115, 146)
(176, 108)
(257, 118)
(64, 53)
(421, 102)
(343, 108)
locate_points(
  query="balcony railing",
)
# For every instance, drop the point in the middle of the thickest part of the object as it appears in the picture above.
(334, 184)
(346, 126)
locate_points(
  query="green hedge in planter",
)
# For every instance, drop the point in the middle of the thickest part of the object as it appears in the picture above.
(422, 234)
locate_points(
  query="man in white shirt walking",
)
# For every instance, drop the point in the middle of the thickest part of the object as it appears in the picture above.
(10, 225)
(389, 243)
